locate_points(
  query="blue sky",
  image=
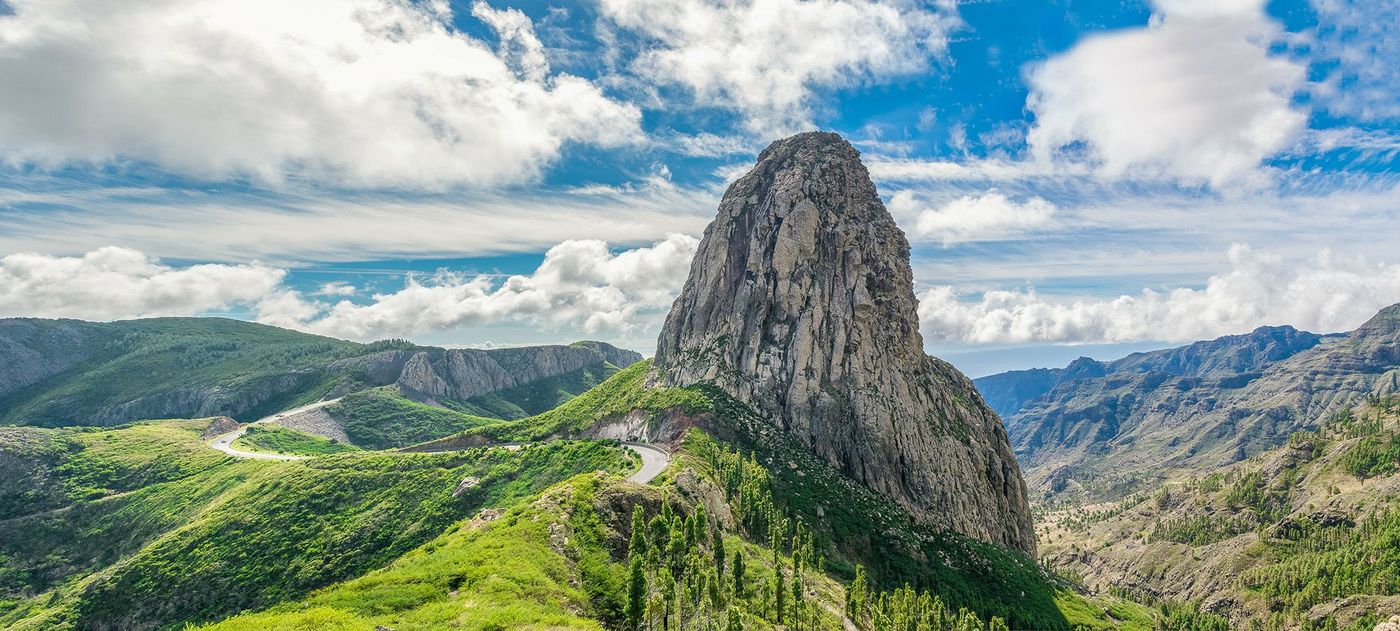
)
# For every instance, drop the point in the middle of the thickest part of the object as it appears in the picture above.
(1075, 177)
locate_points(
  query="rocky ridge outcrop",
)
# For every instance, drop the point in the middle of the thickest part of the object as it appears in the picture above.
(465, 373)
(800, 304)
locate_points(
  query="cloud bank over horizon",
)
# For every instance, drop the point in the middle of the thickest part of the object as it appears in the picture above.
(585, 286)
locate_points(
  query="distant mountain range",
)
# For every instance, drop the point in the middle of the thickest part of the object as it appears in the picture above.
(1103, 429)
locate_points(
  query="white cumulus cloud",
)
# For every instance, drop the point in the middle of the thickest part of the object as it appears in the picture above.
(580, 284)
(1195, 95)
(363, 92)
(766, 58)
(114, 283)
(1326, 294)
(989, 216)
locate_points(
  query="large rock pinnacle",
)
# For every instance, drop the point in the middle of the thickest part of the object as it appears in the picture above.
(800, 303)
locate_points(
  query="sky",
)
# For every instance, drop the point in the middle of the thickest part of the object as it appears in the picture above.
(1076, 177)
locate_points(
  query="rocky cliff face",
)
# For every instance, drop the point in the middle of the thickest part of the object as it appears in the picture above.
(1107, 428)
(461, 374)
(800, 303)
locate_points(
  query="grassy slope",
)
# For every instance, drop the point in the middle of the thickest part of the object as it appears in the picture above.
(160, 355)
(281, 440)
(1257, 533)
(382, 418)
(145, 525)
(554, 563)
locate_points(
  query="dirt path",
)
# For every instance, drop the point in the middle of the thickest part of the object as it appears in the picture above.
(654, 459)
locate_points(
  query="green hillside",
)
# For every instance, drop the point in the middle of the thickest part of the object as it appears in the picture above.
(382, 418)
(146, 526)
(281, 440)
(147, 366)
(849, 525)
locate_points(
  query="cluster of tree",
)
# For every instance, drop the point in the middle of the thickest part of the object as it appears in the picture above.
(1173, 615)
(1269, 502)
(906, 609)
(1373, 456)
(1198, 530)
(1326, 563)
(681, 576)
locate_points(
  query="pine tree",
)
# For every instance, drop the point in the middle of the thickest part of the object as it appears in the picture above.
(660, 528)
(636, 592)
(700, 527)
(856, 595)
(739, 574)
(668, 597)
(676, 551)
(638, 545)
(720, 565)
(779, 593)
(796, 586)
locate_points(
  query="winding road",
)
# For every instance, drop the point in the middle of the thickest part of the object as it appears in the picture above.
(654, 459)
(224, 442)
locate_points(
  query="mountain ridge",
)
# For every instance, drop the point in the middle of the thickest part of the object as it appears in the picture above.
(73, 372)
(1200, 405)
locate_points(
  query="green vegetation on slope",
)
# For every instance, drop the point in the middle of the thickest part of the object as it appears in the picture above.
(151, 366)
(193, 536)
(506, 575)
(147, 526)
(1306, 536)
(1312, 564)
(382, 418)
(536, 397)
(621, 394)
(854, 525)
(851, 524)
(281, 440)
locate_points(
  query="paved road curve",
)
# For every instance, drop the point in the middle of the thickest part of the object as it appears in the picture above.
(224, 442)
(654, 459)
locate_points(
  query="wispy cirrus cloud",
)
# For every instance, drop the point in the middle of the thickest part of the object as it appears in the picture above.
(289, 226)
